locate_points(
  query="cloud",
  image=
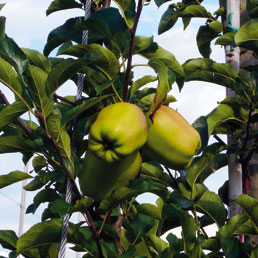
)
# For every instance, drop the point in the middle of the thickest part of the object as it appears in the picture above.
(28, 24)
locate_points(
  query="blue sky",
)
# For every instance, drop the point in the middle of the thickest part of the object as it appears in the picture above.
(29, 26)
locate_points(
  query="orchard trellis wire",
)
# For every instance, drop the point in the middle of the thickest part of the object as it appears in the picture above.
(68, 197)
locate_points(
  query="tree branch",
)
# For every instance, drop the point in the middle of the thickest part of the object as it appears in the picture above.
(65, 100)
(131, 46)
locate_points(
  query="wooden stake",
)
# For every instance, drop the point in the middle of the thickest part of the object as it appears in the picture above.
(233, 58)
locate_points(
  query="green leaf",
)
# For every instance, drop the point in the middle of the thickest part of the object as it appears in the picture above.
(37, 59)
(139, 226)
(9, 144)
(163, 86)
(46, 233)
(62, 72)
(13, 54)
(45, 195)
(155, 51)
(75, 111)
(8, 239)
(188, 231)
(61, 207)
(205, 35)
(33, 185)
(141, 43)
(37, 79)
(247, 36)
(141, 82)
(160, 2)
(200, 124)
(13, 177)
(250, 205)
(201, 162)
(195, 11)
(232, 225)
(149, 210)
(10, 113)
(127, 7)
(246, 228)
(38, 163)
(211, 204)
(101, 27)
(168, 20)
(9, 78)
(157, 243)
(226, 39)
(1, 6)
(59, 5)
(252, 8)
(82, 205)
(203, 69)
(61, 34)
(254, 253)
(61, 138)
(107, 61)
(220, 115)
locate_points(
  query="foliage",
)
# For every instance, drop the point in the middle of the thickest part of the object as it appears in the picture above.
(51, 137)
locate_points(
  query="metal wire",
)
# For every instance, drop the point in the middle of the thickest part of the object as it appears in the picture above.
(68, 197)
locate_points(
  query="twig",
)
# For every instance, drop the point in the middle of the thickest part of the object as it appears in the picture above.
(65, 100)
(89, 220)
(131, 46)
(198, 222)
(171, 176)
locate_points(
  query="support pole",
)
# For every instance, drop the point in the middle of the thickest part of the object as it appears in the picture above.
(233, 58)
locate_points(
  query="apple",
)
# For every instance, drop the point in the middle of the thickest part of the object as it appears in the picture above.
(98, 178)
(119, 130)
(172, 141)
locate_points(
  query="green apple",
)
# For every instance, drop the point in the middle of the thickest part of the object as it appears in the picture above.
(119, 130)
(172, 141)
(99, 178)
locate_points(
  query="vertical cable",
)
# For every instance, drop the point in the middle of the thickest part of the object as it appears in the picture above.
(68, 197)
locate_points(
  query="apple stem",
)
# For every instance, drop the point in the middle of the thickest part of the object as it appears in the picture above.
(131, 46)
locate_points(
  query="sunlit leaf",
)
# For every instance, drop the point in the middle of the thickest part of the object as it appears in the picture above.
(12, 112)
(37, 59)
(247, 36)
(9, 78)
(37, 79)
(155, 51)
(127, 8)
(250, 206)
(106, 62)
(13, 54)
(163, 86)
(203, 69)
(196, 11)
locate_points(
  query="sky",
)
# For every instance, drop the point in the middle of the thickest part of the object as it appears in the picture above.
(28, 25)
